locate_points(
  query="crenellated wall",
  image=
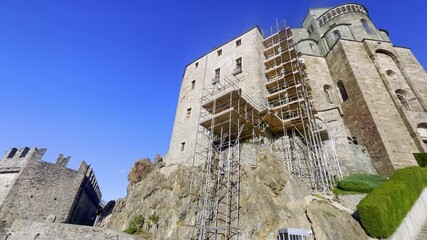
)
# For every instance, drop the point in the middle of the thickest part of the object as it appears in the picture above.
(38, 190)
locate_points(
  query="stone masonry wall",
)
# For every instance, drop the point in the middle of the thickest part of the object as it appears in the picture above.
(43, 189)
(200, 73)
(327, 103)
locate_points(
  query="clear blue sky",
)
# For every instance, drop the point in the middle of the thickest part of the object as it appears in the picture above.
(99, 80)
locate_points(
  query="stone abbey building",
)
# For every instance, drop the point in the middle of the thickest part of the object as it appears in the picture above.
(330, 98)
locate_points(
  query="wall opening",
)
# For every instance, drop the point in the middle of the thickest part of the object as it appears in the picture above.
(182, 146)
(328, 93)
(337, 34)
(402, 96)
(343, 92)
(366, 26)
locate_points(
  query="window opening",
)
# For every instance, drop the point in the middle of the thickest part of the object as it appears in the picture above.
(219, 52)
(366, 26)
(193, 84)
(217, 75)
(238, 42)
(182, 146)
(238, 68)
(343, 92)
(188, 112)
(337, 34)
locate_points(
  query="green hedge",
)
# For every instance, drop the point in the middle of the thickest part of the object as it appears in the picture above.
(382, 211)
(421, 159)
(362, 183)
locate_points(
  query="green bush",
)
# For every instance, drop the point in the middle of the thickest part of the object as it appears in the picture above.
(421, 159)
(382, 210)
(362, 183)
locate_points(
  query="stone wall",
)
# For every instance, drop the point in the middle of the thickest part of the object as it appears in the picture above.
(41, 190)
(200, 74)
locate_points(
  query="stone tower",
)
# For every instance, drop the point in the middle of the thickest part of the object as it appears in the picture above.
(371, 94)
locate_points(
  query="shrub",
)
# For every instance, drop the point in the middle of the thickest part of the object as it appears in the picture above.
(362, 183)
(421, 159)
(382, 210)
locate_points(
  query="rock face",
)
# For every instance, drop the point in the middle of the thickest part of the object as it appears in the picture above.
(270, 198)
(328, 222)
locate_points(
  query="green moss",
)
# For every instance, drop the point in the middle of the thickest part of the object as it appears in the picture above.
(382, 210)
(362, 183)
(421, 159)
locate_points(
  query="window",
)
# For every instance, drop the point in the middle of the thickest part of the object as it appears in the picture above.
(238, 42)
(337, 34)
(366, 26)
(182, 146)
(238, 68)
(193, 84)
(217, 76)
(328, 93)
(312, 47)
(188, 112)
(343, 92)
(401, 95)
(310, 29)
(219, 52)
(196, 64)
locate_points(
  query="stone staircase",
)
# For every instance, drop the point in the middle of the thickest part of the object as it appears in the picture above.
(422, 235)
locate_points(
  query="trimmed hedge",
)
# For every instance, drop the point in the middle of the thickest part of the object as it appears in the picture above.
(362, 183)
(421, 159)
(382, 210)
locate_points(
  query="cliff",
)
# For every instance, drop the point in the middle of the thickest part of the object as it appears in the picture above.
(271, 199)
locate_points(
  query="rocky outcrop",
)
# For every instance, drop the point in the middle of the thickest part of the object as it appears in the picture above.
(329, 222)
(270, 199)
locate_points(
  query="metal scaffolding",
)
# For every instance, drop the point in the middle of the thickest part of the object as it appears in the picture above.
(228, 118)
(299, 141)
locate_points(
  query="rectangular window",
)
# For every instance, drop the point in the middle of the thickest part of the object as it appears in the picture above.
(188, 112)
(219, 52)
(238, 68)
(193, 84)
(238, 42)
(196, 64)
(217, 76)
(182, 146)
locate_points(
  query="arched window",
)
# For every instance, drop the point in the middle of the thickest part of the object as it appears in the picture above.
(343, 92)
(402, 96)
(328, 93)
(366, 26)
(337, 34)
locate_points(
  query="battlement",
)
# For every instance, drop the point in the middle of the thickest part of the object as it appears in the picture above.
(15, 159)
